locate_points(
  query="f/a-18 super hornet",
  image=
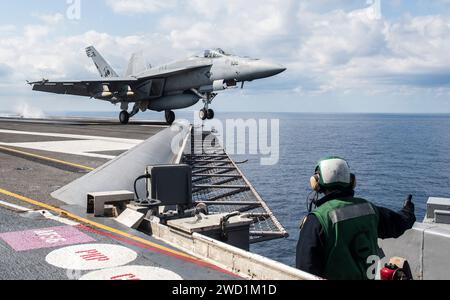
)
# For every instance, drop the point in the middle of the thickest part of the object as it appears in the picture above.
(168, 87)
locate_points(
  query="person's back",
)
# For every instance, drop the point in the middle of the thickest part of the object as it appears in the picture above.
(339, 239)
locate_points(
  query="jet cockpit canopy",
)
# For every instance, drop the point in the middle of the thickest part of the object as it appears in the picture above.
(215, 53)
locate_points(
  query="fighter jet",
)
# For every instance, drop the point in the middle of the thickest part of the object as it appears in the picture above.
(177, 85)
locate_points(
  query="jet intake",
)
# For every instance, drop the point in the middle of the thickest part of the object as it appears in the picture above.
(174, 102)
(218, 85)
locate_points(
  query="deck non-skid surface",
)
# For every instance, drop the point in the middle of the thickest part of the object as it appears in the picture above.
(33, 247)
(38, 157)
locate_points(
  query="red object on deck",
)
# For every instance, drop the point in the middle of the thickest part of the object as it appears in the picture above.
(389, 272)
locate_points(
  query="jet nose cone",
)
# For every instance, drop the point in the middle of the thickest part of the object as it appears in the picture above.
(267, 69)
(278, 69)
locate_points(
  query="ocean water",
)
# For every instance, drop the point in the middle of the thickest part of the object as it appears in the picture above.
(391, 155)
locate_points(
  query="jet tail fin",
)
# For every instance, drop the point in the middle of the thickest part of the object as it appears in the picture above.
(102, 65)
(137, 64)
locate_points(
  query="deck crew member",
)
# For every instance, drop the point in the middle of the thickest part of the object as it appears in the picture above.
(340, 235)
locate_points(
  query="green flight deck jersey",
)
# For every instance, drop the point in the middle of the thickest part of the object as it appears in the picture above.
(351, 237)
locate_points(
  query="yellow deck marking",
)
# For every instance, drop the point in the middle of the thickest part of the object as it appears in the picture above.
(47, 159)
(94, 224)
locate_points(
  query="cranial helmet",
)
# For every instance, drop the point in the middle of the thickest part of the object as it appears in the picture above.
(333, 173)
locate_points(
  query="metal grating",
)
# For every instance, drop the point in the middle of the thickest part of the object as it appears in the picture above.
(219, 183)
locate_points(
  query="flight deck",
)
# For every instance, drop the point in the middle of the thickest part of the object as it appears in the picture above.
(48, 167)
(39, 156)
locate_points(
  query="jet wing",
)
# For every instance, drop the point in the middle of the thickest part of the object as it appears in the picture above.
(80, 87)
(87, 88)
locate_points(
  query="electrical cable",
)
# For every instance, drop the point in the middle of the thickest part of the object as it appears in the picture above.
(147, 176)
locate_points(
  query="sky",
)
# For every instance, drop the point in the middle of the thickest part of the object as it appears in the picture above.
(343, 56)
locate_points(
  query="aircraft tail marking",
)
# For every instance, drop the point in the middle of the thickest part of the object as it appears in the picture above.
(102, 65)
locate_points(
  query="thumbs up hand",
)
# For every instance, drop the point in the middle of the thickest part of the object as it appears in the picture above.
(409, 205)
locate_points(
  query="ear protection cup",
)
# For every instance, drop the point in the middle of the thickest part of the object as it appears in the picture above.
(315, 182)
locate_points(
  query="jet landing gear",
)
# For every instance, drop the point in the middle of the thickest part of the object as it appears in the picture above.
(170, 117)
(206, 112)
(125, 116)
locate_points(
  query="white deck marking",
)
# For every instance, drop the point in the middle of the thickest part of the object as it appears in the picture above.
(155, 126)
(73, 136)
(44, 213)
(132, 273)
(48, 215)
(91, 257)
(80, 147)
(14, 207)
(84, 146)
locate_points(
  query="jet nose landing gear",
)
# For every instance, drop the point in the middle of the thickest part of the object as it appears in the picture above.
(210, 114)
(206, 114)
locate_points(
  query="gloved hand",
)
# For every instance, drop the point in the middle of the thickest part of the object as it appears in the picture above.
(409, 205)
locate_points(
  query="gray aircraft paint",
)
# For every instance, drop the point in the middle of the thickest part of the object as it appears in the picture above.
(175, 85)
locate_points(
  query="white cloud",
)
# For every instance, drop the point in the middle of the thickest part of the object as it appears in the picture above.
(414, 53)
(50, 19)
(139, 6)
(326, 48)
(9, 28)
